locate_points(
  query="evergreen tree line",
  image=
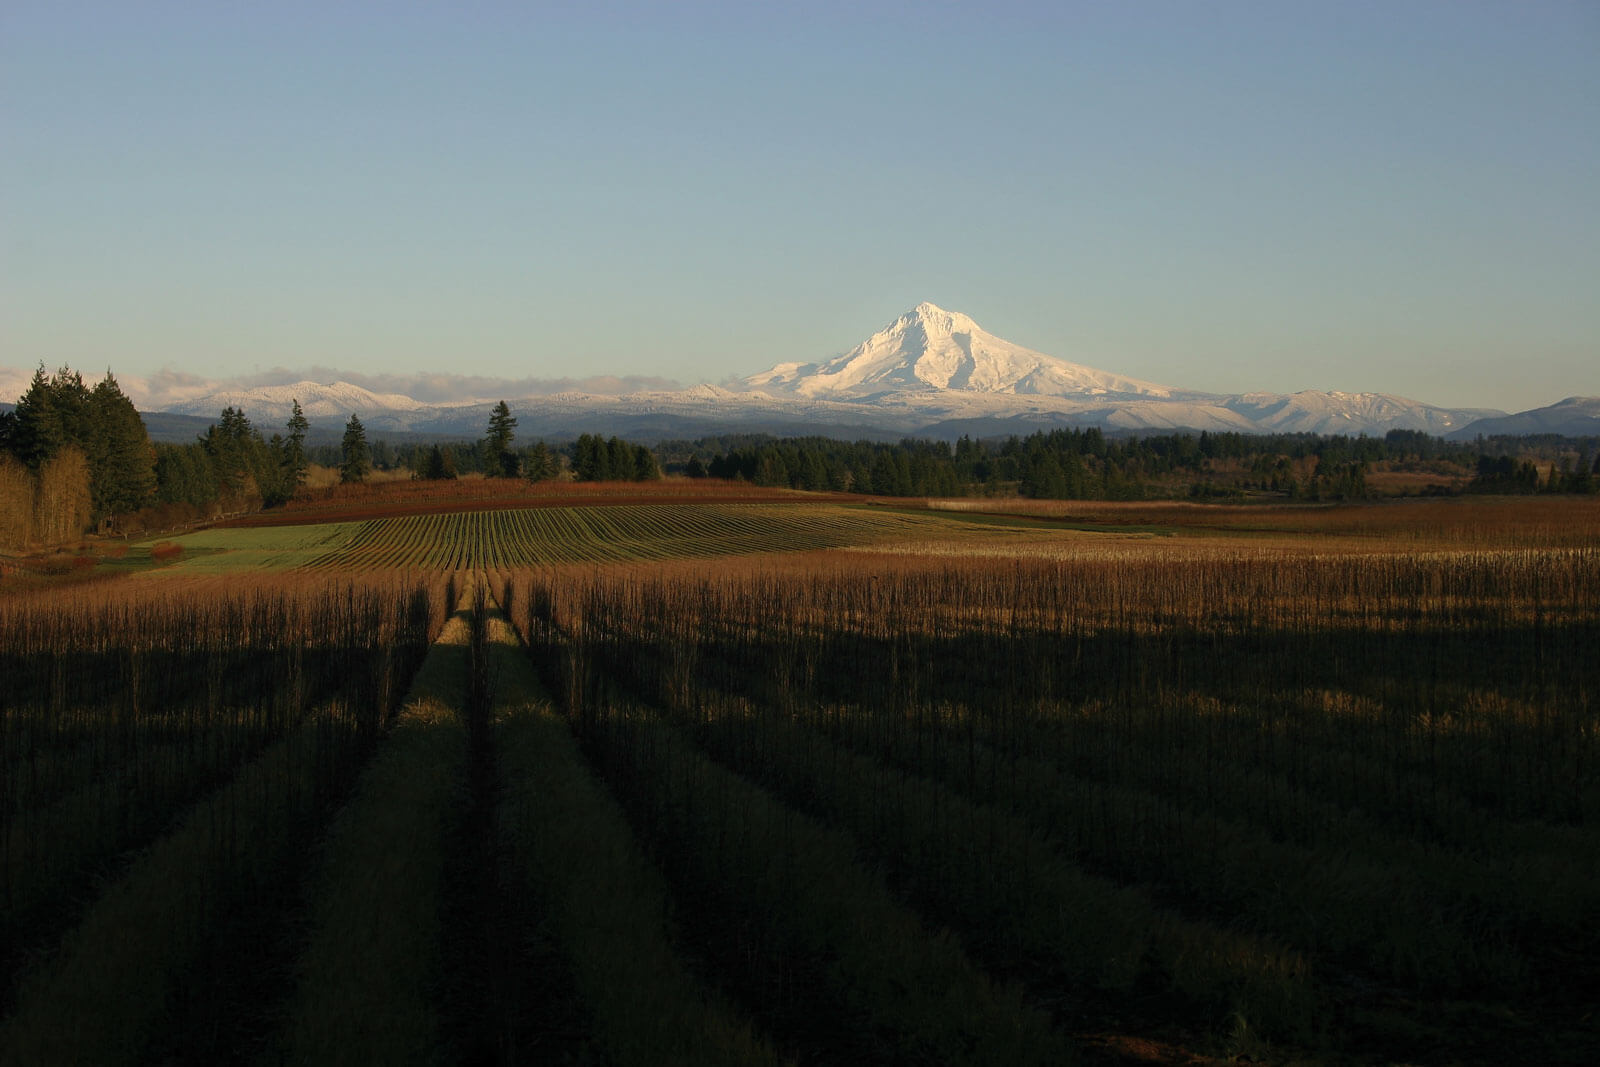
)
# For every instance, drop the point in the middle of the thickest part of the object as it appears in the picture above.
(72, 458)
(1074, 464)
(59, 413)
(1057, 464)
(594, 459)
(1506, 474)
(231, 468)
(910, 468)
(536, 462)
(590, 458)
(597, 459)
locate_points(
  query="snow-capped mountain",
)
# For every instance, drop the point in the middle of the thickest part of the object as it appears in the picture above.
(945, 363)
(931, 349)
(931, 372)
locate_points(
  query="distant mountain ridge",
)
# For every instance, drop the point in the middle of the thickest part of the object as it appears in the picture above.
(340, 399)
(930, 372)
(1576, 416)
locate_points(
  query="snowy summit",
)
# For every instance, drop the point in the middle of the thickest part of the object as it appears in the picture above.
(929, 348)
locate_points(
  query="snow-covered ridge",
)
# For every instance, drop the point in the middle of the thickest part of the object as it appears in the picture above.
(275, 403)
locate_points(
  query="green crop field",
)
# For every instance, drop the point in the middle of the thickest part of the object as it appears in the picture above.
(810, 783)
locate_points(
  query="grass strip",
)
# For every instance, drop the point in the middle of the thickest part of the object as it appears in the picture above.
(368, 977)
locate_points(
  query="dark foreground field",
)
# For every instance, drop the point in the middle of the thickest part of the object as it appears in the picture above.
(1233, 784)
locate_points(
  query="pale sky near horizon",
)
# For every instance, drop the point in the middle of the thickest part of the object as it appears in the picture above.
(1395, 197)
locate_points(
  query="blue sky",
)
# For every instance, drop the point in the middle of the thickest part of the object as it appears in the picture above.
(1399, 197)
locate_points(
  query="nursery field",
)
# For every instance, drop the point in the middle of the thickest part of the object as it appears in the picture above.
(505, 538)
(800, 781)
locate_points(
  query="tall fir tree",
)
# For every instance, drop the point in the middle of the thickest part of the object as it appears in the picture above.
(357, 457)
(589, 458)
(499, 460)
(541, 464)
(122, 464)
(294, 449)
(619, 460)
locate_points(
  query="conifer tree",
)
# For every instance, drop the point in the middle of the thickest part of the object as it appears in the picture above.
(432, 465)
(439, 464)
(51, 415)
(541, 464)
(122, 465)
(589, 458)
(620, 464)
(241, 459)
(645, 468)
(294, 449)
(357, 457)
(499, 460)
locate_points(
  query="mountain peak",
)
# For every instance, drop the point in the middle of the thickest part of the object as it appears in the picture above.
(936, 321)
(929, 349)
(925, 310)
